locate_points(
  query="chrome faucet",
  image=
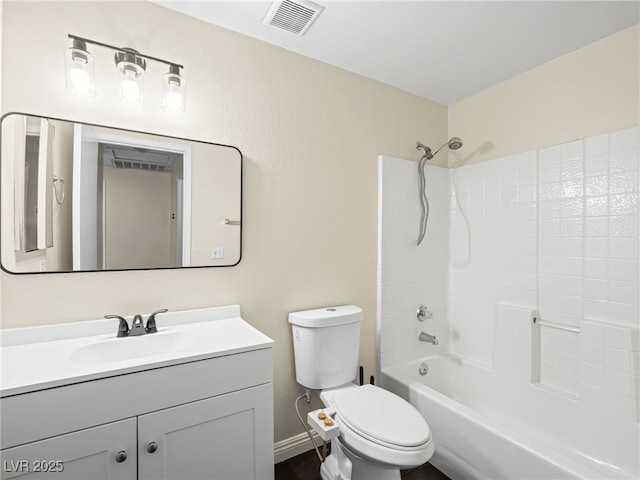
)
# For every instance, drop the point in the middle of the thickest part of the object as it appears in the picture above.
(425, 337)
(137, 326)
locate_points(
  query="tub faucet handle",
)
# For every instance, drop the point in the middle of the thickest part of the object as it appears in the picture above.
(423, 313)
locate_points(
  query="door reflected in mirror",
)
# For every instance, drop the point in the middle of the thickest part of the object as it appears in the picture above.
(113, 199)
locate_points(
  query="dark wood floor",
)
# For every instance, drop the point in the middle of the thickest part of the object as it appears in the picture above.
(306, 466)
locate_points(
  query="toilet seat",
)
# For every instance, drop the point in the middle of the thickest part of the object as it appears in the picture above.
(378, 425)
(381, 417)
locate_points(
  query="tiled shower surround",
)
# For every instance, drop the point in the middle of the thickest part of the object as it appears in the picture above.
(553, 230)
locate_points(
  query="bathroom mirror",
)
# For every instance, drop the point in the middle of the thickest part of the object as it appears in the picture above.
(83, 197)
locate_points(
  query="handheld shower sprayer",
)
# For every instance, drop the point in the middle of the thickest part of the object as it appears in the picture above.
(454, 143)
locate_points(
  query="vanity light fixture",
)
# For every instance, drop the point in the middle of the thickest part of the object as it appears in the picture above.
(79, 67)
(132, 66)
(174, 90)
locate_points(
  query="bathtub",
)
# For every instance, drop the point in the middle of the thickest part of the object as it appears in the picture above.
(486, 428)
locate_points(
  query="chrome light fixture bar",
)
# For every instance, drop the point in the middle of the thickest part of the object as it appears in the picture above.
(132, 65)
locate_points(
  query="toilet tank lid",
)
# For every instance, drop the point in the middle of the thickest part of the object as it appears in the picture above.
(326, 317)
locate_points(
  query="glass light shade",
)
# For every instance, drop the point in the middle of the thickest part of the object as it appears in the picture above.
(174, 91)
(132, 83)
(79, 71)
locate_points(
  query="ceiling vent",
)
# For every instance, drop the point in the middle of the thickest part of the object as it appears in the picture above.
(295, 17)
(135, 158)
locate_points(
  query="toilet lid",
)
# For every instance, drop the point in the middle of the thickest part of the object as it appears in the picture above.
(381, 416)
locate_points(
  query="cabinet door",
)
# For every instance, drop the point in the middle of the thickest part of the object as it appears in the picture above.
(84, 455)
(229, 437)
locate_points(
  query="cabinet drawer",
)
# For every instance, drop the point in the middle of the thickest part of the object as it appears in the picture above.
(87, 454)
(47, 413)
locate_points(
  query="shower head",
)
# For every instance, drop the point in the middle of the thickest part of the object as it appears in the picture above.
(454, 143)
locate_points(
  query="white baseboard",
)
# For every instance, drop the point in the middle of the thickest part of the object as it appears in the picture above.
(292, 446)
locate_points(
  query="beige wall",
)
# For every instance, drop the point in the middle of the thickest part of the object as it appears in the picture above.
(587, 92)
(310, 135)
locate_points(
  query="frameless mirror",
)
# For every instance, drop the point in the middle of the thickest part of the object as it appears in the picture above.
(82, 197)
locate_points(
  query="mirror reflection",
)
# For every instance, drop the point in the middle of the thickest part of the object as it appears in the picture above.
(80, 197)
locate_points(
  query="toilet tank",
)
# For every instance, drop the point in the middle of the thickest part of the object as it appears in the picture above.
(325, 345)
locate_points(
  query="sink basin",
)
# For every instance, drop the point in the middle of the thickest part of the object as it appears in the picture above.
(129, 348)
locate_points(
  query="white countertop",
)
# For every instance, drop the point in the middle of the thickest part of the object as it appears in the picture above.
(37, 358)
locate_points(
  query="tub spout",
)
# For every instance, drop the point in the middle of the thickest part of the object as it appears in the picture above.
(425, 337)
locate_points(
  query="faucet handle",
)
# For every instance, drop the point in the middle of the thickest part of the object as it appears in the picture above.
(423, 313)
(123, 326)
(151, 321)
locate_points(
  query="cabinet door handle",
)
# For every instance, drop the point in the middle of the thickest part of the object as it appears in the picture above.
(152, 447)
(121, 456)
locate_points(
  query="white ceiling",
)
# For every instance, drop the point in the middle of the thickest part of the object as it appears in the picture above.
(440, 50)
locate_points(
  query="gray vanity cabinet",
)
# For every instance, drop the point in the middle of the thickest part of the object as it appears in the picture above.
(211, 418)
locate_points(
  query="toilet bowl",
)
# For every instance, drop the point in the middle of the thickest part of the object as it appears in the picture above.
(379, 432)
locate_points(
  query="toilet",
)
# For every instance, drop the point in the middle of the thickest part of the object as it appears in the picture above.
(379, 432)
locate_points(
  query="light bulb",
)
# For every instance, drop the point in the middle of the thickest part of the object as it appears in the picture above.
(173, 100)
(80, 80)
(130, 91)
